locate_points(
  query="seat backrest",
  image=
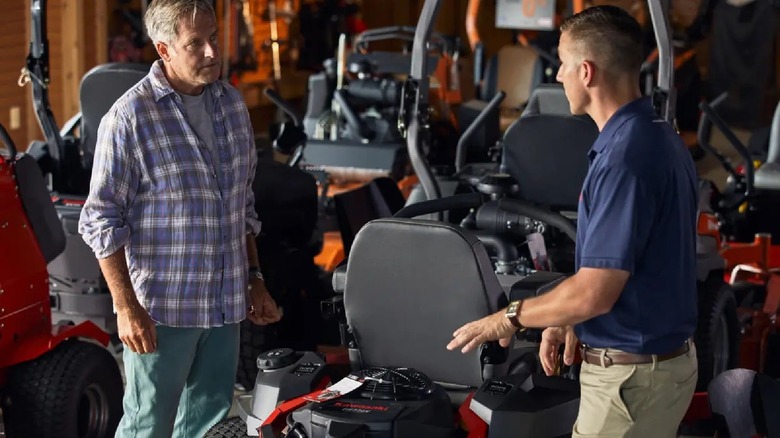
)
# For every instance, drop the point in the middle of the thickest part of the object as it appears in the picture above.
(410, 284)
(547, 99)
(39, 208)
(377, 199)
(515, 70)
(546, 152)
(100, 88)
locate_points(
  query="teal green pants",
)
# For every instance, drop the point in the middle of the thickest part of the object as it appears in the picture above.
(184, 387)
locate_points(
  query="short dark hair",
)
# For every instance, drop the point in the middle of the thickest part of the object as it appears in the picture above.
(611, 34)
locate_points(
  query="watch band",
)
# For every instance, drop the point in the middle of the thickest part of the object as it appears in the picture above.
(256, 273)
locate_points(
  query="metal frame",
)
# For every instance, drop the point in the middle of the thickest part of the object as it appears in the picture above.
(413, 119)
(665, 94)
(37, 72)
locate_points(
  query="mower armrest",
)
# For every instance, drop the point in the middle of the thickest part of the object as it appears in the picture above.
(339, 279)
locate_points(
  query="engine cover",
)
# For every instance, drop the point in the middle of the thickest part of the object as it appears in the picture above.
(391, 403)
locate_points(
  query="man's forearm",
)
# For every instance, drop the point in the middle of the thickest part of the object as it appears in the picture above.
(117, 276)
(566, 304)
(251, 251)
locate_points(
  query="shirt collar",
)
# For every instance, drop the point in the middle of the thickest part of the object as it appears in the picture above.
(161, 87)
(640, 106)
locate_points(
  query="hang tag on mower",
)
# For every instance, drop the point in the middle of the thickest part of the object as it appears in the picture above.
(342, 387)
(539, 252)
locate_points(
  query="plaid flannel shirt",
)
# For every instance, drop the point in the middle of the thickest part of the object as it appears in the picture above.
(155, 192)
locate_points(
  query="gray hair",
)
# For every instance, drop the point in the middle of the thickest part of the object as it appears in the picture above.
(162, 17)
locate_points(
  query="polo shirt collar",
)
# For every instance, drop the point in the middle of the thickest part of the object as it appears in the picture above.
(641, 105)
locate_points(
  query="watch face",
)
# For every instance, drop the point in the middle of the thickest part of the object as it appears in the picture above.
(512, 309)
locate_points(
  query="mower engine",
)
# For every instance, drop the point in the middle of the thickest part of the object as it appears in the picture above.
(391, 403)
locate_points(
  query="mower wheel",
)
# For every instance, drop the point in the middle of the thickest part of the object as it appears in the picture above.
(73, 391)
(255, 339)
(718, 332)
(231, 427)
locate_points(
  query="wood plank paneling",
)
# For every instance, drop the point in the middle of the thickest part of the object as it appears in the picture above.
(13, 51)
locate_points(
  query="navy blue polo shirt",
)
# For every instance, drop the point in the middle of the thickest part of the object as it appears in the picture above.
(637, 213)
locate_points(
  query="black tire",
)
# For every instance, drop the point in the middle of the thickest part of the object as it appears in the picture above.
(73, 391)
(255, 339)
(231, 427)
(718, 332)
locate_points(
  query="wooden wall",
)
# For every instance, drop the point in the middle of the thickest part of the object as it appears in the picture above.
(13, 51)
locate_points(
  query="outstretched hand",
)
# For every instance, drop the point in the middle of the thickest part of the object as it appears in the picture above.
(495, 327)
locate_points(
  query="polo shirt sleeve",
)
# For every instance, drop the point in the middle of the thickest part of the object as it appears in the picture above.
(620, 219)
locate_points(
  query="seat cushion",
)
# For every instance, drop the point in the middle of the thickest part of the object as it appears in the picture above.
(768, 177)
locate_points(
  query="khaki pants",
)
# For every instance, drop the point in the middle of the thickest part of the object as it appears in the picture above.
(646, 400)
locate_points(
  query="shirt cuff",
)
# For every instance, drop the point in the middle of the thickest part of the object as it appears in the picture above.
(106, 242)
(253, 226)
(607, 263)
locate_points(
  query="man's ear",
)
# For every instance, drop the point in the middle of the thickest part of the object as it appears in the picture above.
(163, 51)
(587, 73)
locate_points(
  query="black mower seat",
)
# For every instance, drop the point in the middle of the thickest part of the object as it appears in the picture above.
(767, 176)
(546, 150)
(409, 284)
(100, 88)
(547, 99)
(745, 403)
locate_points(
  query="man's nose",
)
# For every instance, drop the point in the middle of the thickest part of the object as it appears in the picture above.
(212, 50)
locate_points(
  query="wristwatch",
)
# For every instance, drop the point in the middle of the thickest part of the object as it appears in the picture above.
(512, 313)
(255, 273)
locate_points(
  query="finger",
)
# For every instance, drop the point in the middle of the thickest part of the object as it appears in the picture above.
(128, 343)
(545, 359)
(504, 342)
(568, 351)
(138, 343)
(475, 342)
(153, 336)
(459, 341)
(252, 316)
(146, 342)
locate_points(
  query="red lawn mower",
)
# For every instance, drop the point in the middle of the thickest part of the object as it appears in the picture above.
(56, 380)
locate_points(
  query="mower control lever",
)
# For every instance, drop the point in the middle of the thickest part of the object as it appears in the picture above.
(460, 152)
(710, 117)
(285, 106)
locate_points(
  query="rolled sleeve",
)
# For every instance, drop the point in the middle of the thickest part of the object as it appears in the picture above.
(103, 222)
(620, 220)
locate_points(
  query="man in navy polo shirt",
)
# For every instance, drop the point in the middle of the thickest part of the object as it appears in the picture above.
(632, 301)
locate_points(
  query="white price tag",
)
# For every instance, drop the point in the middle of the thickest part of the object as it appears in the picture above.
(343, 386)
(539, 252)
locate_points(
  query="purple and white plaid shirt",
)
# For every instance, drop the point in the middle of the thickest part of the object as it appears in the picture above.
(155, 192)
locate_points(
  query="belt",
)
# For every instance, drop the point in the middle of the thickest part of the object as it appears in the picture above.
(602, 357)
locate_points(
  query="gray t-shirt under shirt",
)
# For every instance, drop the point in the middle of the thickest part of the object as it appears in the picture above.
(198, 110)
